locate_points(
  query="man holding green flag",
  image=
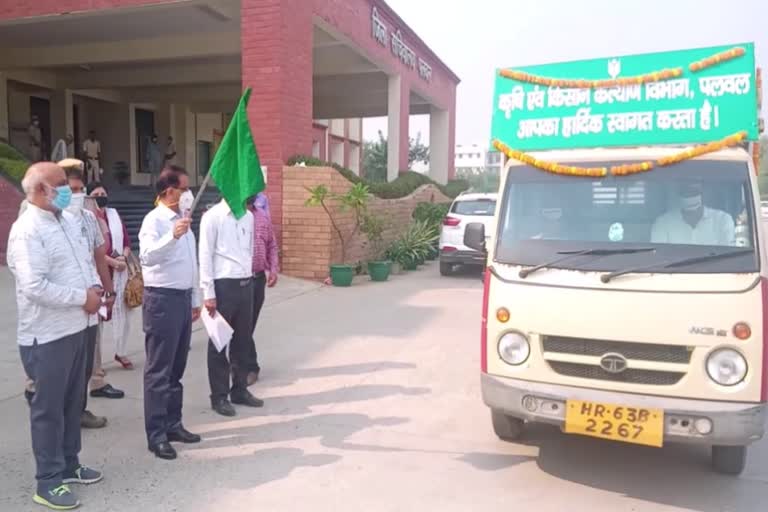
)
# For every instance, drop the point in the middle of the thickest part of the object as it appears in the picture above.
(226, 255)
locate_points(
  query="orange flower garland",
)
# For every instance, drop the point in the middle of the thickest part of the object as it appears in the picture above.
(655, 76)
(554, 168)
(620, 170)
(714, 60)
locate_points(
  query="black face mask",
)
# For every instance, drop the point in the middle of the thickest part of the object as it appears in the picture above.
(101, 201)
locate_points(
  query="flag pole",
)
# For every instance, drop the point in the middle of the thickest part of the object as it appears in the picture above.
(199, 194)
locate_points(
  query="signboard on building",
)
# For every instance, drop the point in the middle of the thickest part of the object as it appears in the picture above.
(393, 39)
(694, 106)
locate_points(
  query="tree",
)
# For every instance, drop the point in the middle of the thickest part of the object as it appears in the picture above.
(375, 157)
(481, 180)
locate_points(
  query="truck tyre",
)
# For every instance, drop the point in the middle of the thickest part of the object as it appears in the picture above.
(446, 269)
(506, 427)
(729, 460)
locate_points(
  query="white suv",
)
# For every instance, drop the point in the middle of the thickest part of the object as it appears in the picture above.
(465, 209)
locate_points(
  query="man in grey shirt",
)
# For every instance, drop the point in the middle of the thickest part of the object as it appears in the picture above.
(55, 294)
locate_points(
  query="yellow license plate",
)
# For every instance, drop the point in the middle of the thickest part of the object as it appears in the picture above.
(615, 422)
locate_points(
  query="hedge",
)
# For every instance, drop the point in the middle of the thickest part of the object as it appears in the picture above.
(405, 184)
(13, 165)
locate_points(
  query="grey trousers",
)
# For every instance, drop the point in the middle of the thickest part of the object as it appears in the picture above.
(168, 332)
(58, 369)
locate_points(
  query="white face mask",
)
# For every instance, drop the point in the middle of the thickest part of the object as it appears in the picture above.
(186, 200)
(77, 203)
(691, 204)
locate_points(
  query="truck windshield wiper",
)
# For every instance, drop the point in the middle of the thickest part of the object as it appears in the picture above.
(606, 278)
(566, 255)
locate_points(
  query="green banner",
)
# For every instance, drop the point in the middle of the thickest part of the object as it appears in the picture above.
(693, 108)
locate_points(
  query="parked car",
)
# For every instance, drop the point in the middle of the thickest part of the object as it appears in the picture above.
(466, 208)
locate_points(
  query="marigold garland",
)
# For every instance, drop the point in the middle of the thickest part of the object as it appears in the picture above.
(655, 76)
(621, 170)
(714, 60)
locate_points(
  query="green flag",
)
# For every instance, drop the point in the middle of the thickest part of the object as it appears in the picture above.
(236, 169)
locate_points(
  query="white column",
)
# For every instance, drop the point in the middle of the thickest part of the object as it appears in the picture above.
(439, 144)
(397, 135)
(5, 134)
(62, 118)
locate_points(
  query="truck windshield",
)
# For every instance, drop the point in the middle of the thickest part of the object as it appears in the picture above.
(689, 210)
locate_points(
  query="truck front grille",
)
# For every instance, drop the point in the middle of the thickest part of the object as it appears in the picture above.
(630, 350)
(630, 376)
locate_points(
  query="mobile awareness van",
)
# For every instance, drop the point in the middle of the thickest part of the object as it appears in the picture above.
(627, 270)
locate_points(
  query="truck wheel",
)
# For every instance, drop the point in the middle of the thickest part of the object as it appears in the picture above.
(506, 427)
(729, 460)
(446, 269)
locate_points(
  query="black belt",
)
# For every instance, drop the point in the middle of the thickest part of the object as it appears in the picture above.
(259, 275)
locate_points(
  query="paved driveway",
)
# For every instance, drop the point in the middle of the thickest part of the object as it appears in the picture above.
(373, 404)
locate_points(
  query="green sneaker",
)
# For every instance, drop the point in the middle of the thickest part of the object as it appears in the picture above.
(58, 498)
(82, 475)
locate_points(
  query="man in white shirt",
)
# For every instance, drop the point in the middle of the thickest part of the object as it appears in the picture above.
(171, 303)
(55, 295)
(693, 223)
(226, 278)
(92, 156)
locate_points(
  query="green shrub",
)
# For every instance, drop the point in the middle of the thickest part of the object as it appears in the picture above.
(9, 153)
(415, 244)
(404, 185)
(13, 169)
(432, 213)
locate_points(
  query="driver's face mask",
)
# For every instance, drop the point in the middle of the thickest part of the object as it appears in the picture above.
(691, 203)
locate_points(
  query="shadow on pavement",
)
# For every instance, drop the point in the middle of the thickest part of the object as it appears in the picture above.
(676, 475)
(302, 404)
(332, 431)
(289, 377)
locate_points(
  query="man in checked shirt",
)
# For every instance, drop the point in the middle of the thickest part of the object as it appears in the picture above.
(265, 269)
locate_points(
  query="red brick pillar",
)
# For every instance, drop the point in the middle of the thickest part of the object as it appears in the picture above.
(277, 63)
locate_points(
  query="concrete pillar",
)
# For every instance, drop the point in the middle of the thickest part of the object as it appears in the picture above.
(5, 134)
(439, 144)
(62, 119)
(399, 112)
(277, 63)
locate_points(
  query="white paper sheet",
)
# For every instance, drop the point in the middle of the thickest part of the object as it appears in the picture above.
(218, 329)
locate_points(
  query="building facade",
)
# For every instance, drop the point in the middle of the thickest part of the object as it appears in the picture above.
(476, 158)
(129, 68)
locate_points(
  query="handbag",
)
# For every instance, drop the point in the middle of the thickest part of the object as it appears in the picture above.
(134, 288)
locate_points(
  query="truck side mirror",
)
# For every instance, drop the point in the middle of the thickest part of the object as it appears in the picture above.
(474, 236)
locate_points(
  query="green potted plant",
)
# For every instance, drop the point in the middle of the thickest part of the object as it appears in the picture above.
(356, 200)
(394, 256)
(373, 227)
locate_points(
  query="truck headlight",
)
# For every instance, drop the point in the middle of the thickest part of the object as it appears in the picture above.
(514, 348)
(727, 367)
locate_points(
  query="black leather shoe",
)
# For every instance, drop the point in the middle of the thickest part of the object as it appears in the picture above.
(183, 435)
(107, 392)
(246, 398)
(163, 451)
(223, 407)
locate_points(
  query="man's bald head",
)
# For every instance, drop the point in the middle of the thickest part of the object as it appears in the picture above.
(39, 179)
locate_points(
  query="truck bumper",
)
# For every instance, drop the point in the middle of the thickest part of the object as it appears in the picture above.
(462, 258)
(733, 423)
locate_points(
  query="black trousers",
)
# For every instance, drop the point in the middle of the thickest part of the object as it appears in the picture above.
(259, 289)
(234, 302)
(58, 369)
(91, 335)
(168, 332)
